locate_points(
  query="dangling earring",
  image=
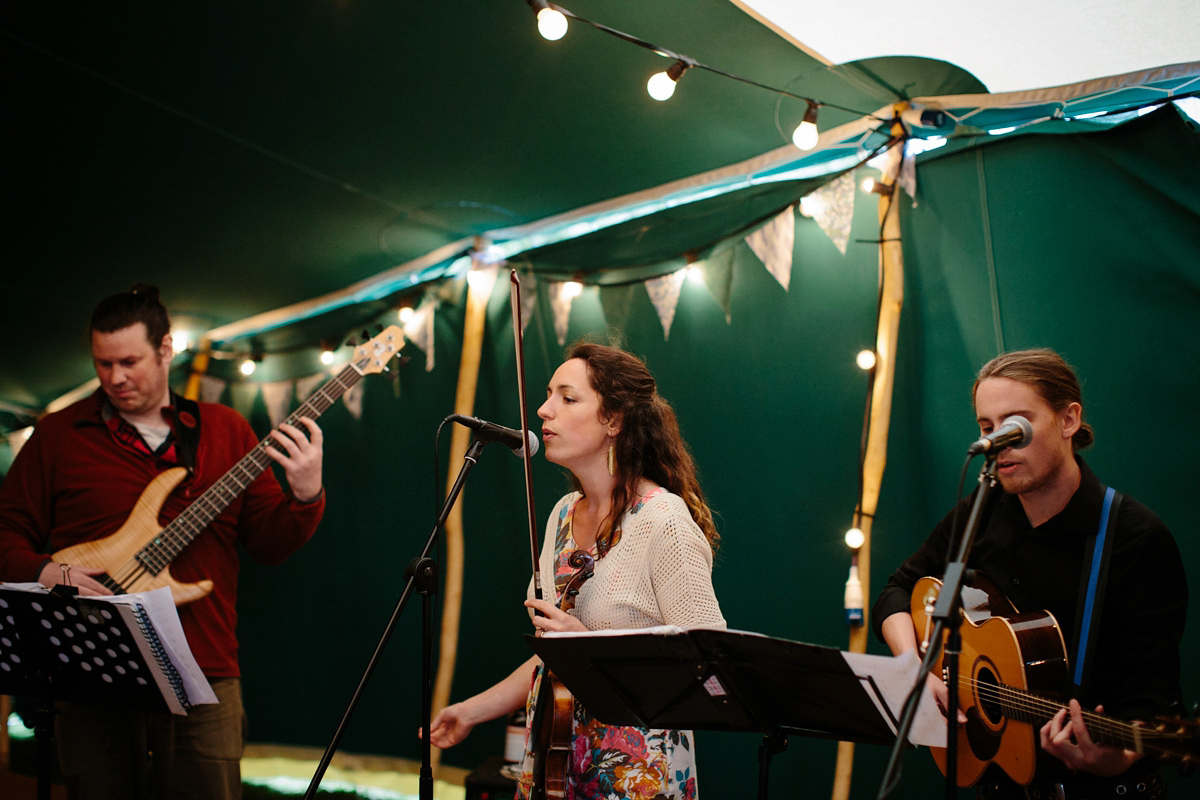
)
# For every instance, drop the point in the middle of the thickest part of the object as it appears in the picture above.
(612, 459)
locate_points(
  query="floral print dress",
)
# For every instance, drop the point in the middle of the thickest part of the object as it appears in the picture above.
(611, 762)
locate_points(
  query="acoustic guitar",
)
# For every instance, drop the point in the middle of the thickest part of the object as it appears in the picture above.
(1012, 671)
(138, 556)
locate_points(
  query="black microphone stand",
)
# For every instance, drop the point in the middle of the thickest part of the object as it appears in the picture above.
(946, 614)
(421, 576)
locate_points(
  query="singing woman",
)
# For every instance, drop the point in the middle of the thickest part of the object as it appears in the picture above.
(638, 508)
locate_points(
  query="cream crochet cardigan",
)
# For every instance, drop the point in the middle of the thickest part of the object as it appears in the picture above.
(659, 573)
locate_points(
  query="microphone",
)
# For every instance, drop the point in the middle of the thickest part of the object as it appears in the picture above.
(491, 432)
(1016, 432)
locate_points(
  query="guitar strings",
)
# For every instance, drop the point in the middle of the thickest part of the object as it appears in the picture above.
(1024, 704)
(157, 554)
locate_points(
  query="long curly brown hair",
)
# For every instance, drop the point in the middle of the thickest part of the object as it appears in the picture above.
(648, 445)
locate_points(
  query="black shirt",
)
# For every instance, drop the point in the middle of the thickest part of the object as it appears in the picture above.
(1135, 667)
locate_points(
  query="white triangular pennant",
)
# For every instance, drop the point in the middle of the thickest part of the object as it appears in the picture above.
(353, 398)
(17, 440)
(211, 389)
(560, 304)
(834, 209)
(774, 242)
(419, 329)
(718, 278)
(529, 292)
(664, 294)
(277, 395)
(907, 179)
(306, 386)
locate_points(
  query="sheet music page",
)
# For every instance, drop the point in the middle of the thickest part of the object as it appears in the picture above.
(894, 676)
(160, 608)
(657, 630)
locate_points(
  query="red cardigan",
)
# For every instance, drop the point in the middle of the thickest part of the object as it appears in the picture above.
(72, 482)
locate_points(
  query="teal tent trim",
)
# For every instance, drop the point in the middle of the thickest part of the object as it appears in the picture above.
(691, 216)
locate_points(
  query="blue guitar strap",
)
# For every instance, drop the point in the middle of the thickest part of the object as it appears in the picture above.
(1095, 576)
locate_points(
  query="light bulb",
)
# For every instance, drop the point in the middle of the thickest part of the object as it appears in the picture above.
(326, 356)
(406, 315)
(855, 538)
(552, 25)
(865, 359)
(695, 275)
(571, 289)
(477, 279)
(180, 341)
(867, 185)
(805, 136)
(248, 366)
(811, 205)
(660, 86)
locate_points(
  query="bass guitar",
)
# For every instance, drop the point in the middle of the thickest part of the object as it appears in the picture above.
(1013, 669)
(138, 556)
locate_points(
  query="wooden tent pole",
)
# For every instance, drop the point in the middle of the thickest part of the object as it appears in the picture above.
(479, 289)
(199, 368)
(891, 277)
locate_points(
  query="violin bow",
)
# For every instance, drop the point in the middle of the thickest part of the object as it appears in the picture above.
(518, 338)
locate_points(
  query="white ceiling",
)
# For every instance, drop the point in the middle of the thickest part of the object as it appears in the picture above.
(1010, 46)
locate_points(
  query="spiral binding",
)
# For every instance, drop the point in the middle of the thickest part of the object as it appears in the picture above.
(160, 655)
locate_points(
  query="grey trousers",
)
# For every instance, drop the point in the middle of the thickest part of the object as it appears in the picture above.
(110, 753)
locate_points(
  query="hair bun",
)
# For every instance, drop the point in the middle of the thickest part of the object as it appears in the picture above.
(145, 289)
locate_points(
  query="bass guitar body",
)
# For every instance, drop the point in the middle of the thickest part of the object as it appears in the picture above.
(124, 555)
(1007, 657)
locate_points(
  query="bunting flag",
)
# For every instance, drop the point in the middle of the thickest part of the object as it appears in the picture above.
(718, 277)
(616, 302)
(242, 395)
(211, 389)
(17, 439)
(277, 397)
(306, 386)
(560, 304)
(419, 329)
(833, 209)
(664, 294)
(907, 179)
(353, 398)
(529, 293)
(774, 242)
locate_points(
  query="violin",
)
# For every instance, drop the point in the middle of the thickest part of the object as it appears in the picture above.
(554, 711)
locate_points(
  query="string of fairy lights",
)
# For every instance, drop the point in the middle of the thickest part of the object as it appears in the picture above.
(553, 23)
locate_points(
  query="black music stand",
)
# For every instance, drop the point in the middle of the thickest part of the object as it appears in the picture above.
(56, 646)
(720, 680)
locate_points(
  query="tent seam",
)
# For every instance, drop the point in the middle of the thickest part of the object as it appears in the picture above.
(989, 254)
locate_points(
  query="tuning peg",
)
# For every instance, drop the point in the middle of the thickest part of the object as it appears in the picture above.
(366, 334)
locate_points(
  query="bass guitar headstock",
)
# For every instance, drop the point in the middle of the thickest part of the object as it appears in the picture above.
(372, 357)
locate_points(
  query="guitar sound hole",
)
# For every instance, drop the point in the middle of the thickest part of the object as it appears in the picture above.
(989, 696)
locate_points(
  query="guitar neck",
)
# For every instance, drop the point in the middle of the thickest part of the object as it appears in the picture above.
(196, 517)
(1022, 705)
